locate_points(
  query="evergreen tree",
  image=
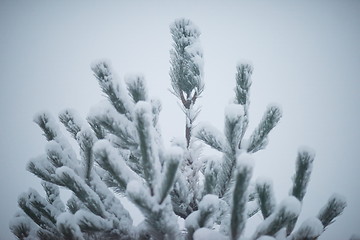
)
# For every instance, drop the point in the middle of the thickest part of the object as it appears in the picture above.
(121, 155)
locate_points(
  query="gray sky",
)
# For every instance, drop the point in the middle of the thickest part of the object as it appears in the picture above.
(306, 57)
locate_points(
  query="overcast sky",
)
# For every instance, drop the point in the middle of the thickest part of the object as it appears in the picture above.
(306, 58)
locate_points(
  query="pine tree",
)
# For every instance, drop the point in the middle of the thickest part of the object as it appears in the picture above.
(121, 155)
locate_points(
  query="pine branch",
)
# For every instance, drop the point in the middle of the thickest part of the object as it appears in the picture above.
(172, 162)
(73, 182)
(71, 121)
(107, 158)
(86, 139)
(46, 123)
(44, 234)
(21, 226)
(41, 212)
(43, 169)
(149, 157)
(266, 197)
(180, 197)
(115, 92)
(97, 128)
(211, 136)
(186, 69)
(60, 153)
(243, 83)
(333, 208)
(258, 139)
(204, 217)
(54, 135)
(186, 60)
(155, 109)
(74, 204)
(55, 154)
(233, 133)
(311, 228)
(211, 176)
(225, 175)
(89, 222)
(53, 195)
(160, 219)
(40, 204)
(234, 125)
(239, 197)
(68, 227)
(301, 179)
(287, 210)
(137, 88)
(118, 125)
(118, 216)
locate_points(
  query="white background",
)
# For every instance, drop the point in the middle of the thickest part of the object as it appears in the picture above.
(306, 57)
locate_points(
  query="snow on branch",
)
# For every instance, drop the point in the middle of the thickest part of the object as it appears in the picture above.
(22, 226)
(115, 92)
(211, 136)
(186, 60)
(121, 153)
(208, 234)
(266, 197)
(333, 208)
(116, 124)
(39, 210)
(258, 139)
(234, 114)
(86, 139)
(209, 208)
(159, 218)
(71, 121)
(42, 168)
(149, 155)
(156, 109)
(137, 88)
(53, 195)
(47, 124)
(77, 185)
(304, 163)
(239, 196)
(311, 228)
(243, 83)
(88, 221)
(52, 133)
(108, 158)
(172, 161)
(287, 210)
(211, 175)
(68, 227)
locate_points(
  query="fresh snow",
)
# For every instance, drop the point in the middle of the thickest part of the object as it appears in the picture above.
(208, 234)
(289, 208)
(245, 160)
(103, 150)
(210, 135)
(67, 222)
(291, 205)
(309, 229)
(234, 111)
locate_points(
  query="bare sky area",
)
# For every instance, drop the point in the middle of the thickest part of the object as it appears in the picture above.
(306, 58)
